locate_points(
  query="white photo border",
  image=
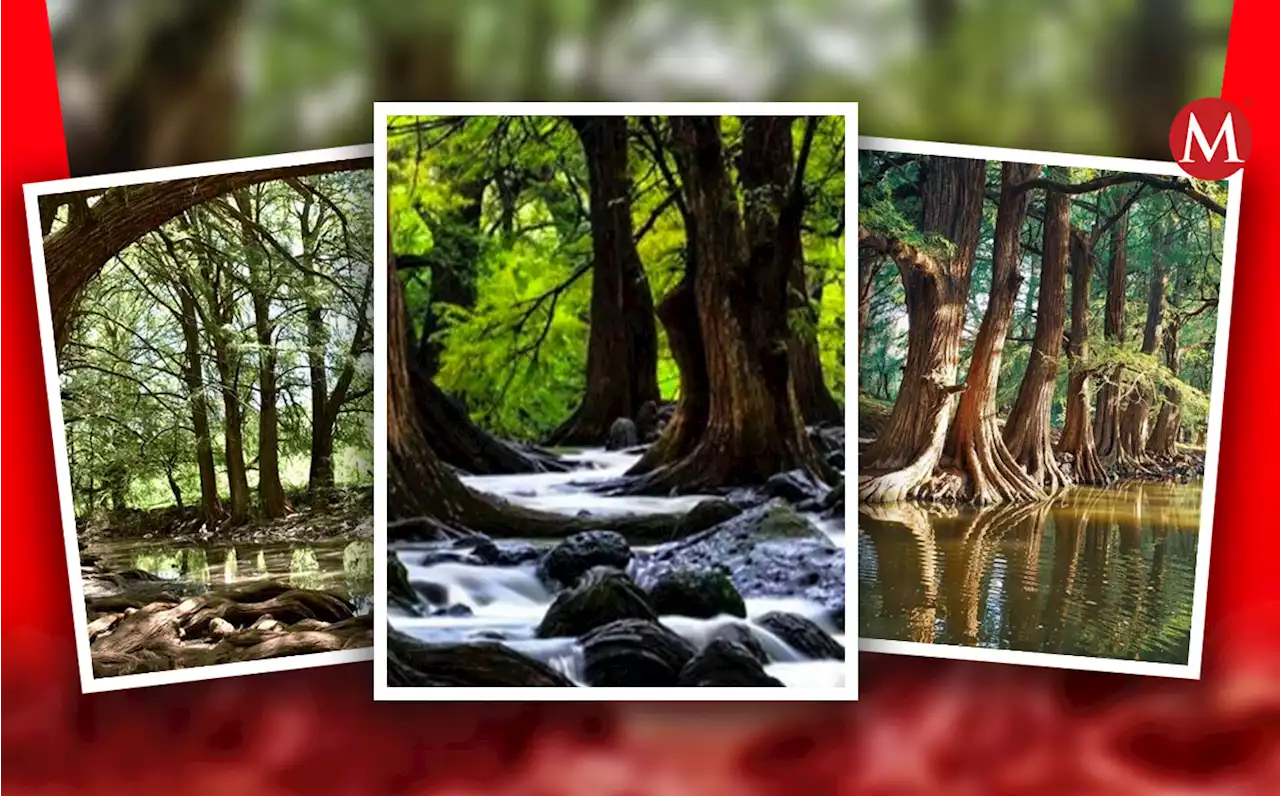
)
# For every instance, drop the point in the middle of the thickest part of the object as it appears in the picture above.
(32, 193)
(383, 692)
(1191, 669)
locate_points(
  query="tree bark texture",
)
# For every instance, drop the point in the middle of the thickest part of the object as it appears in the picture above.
(1077, 431)
(1106, 425)
(1027, 430)
(1135, 420)
(976, 447)
(622, 351)
(936, 282)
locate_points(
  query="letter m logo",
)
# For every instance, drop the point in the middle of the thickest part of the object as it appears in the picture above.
(1208, 158)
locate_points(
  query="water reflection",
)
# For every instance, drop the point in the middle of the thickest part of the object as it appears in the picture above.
(1102, 573)
(345, 568)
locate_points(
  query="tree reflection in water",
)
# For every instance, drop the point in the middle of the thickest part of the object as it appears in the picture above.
(1103, 573)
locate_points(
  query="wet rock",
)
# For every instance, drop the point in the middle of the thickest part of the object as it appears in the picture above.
(769, 551)
(622, 435)
(505, 554)
(699, 593)
(796, 486)
(725, 663)
(634, 652)
(457, 609)
(647, 421)
(602, 596)
(434, 593)
(803, 635)
(741, 634)
(418, 529)
(833, 501)
(412, 663)
(704, 515)
(566, 562)
(836, 616)
(827, 439)
(401, 595)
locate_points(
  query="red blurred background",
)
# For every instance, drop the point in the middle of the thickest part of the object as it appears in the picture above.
(921, 727)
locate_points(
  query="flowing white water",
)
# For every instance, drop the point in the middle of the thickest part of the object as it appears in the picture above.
(508, 603)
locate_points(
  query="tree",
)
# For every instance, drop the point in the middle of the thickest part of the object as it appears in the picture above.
(1134, 422)
(623, 348)
(1106, 423)
(976, 445)
(1027, 431)
(935, 276)
(743, 423)
(1077, 431)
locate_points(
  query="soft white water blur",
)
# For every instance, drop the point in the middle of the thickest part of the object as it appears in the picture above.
(508, 603)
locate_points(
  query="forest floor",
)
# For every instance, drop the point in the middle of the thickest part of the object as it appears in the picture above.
(750, 592)
(143, 621)
(349, 514)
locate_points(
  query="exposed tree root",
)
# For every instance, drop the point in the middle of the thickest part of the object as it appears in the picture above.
(261, 620)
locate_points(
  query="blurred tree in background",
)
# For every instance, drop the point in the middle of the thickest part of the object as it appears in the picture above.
(171, 81)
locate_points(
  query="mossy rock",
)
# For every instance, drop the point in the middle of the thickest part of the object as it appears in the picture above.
(697, 593)
(603, 595)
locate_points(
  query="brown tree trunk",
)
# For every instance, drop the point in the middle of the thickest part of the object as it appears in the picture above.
(1135, 421)
(622, 352)
(218, 289)
(1106, 425)
(1164, 435)
(271, 497)
(976, 446)
(903, 457)
(1077, 431)
(193, 375)
(121, 216)
(817, 404)
(1026, 432)
(320, 471)
(753, 424)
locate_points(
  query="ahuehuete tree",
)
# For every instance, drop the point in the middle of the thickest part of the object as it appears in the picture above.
(1106, 423)
(976, 446)
(740, 422)
(935, 276)
(622, 351)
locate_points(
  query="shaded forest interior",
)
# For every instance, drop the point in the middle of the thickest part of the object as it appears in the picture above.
(214, 338)
(221, 363)
(669, 289)
(1023, 329)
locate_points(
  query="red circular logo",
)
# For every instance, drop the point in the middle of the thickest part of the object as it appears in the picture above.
(1210, 139)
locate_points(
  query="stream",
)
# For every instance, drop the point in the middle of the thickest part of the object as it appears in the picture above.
(508, 603)
(1095, 572)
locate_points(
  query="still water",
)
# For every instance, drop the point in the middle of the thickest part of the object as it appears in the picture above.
(340, 566)
(1096, 572)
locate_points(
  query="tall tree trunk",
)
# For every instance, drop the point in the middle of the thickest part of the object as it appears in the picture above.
(271, 498)
(622, 352)
(221, 316)
(936, 282)
(976, 445)
(1164, 435)
(1027, 430)
(1077, 431)
(817, 404)
(1134, 422)
(753, 425)
(1106, 425)
(320, 471)
(193, 375)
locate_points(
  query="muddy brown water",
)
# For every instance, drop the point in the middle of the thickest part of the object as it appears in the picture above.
(1104, 573)
(344, 567)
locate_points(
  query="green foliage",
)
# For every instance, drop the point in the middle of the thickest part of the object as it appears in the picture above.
(516, 357)
(128, 403)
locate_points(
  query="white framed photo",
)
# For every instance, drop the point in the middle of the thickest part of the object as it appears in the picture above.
(207, 339)
(612, 386)
(1042, 350)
